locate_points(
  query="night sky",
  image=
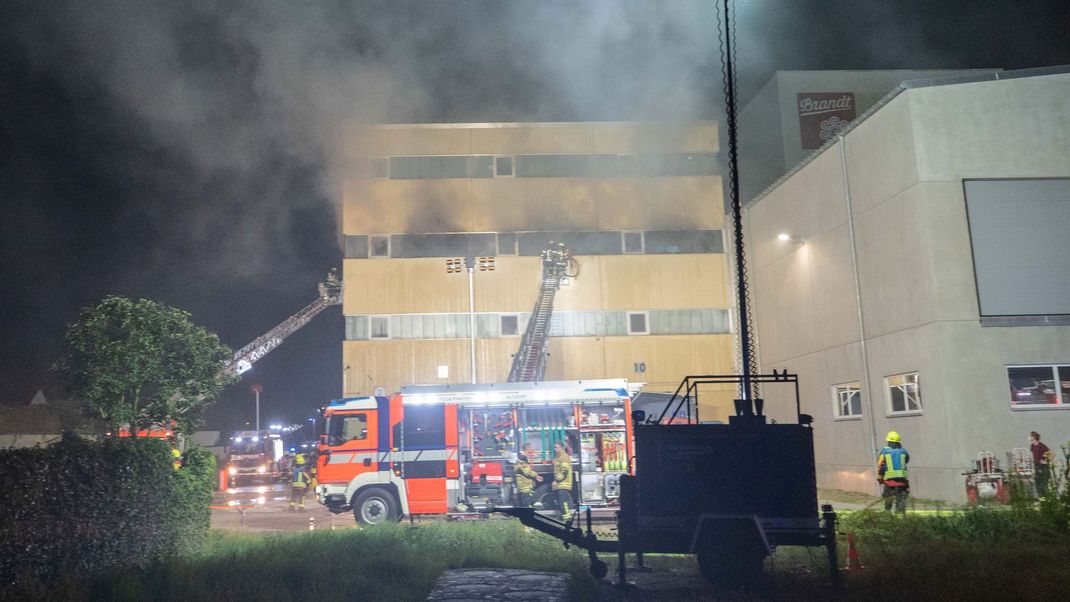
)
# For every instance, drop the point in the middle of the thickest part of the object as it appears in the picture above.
(187, 151)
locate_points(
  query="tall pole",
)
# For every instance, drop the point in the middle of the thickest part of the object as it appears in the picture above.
(470, 261)
(746, 353)
(256, 390)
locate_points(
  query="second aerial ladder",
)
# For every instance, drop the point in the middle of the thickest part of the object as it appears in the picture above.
(529, 363)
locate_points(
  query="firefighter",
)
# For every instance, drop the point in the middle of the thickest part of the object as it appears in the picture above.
(525, 478)
(892, 473)
(176, 458)
(563, 480)
(299, 484)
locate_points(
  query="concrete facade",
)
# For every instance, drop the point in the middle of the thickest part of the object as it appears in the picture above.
(877, 279)
(771, 139)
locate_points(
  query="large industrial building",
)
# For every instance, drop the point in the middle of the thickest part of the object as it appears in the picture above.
(915, 272)
(639, 205)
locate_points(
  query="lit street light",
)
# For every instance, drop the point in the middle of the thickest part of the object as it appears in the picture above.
(486, 264)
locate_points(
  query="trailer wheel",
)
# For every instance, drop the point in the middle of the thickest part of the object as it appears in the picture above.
(598, 569)
(731, 569)
(375, 506)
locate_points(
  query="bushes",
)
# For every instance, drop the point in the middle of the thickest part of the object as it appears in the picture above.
(80, 506)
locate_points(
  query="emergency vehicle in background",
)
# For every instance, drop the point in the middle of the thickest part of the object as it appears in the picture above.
(254, 457)
(441, 449)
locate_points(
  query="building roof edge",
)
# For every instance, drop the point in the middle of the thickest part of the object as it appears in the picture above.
(910, 84)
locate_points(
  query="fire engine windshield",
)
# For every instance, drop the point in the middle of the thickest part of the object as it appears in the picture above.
(346, 427)
(247, 446)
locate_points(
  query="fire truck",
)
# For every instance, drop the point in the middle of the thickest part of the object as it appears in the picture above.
(442, 449)
(253, 457)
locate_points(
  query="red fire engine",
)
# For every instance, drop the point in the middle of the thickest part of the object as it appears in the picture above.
(453, 448)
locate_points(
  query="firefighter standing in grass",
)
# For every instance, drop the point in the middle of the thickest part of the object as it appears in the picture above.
(299, 484)
(526, 477)
(563, 480)
(892, 473)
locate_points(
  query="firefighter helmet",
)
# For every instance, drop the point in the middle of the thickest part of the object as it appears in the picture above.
(893, 437)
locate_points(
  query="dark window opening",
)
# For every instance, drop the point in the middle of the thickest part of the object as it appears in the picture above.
(503, 166)
(633, 242)
(380, 246)
(510, 325)
(637, 323)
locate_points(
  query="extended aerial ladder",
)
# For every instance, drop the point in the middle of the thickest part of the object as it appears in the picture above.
(529, 363)
(330, 293)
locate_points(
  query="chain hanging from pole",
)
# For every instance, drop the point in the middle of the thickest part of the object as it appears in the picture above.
(747, 354)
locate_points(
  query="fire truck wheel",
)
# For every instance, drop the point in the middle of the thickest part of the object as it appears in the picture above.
(545, 499)
(375, 506)
(730, 569)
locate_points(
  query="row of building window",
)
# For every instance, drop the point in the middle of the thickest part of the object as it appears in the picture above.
(540, 166)
(1030, 386)
(902, 393)
(531, 244)
(562, 324)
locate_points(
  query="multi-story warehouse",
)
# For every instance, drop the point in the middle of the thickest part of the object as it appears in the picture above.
(639, 205)
(915, 273)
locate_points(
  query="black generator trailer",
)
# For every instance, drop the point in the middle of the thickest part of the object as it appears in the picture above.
(728, 493)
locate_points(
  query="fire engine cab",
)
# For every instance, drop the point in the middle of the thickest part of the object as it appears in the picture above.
(442, 449)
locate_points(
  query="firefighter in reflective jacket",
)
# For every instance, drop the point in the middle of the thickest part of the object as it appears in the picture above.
(299, 484)
(526, 478)
(563, 480)
(892, 473)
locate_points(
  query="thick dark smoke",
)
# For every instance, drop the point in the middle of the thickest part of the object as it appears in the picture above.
(189, 150)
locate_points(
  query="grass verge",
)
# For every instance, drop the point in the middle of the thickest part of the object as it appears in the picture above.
(389, 562)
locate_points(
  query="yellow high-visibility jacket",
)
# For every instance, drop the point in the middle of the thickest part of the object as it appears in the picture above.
(525, 476)
(562, 472)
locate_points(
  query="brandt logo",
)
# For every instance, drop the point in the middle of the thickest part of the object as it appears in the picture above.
(823, 116)
(810, 106)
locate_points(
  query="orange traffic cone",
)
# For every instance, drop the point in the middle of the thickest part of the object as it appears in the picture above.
(853, 562)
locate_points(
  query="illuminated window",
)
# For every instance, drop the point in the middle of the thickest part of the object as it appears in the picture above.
(904, 393)
(1039, 386)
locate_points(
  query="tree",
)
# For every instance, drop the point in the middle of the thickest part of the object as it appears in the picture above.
(142, 364)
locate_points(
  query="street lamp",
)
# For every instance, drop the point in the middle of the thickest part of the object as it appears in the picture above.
(257, 389)
(453, 266)
(313, 421)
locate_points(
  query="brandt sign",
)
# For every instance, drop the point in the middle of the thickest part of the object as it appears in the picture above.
(823, 115)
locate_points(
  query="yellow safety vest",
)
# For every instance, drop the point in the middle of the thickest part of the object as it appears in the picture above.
(894, 462)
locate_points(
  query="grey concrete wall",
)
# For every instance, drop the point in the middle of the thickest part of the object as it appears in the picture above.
(769, 139)
(905, 166)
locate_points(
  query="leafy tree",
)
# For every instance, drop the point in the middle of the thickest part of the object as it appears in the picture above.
(142, 364)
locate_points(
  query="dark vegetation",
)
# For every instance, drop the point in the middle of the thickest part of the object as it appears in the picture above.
(80, 507)
(1005, 552)
(387, 562)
